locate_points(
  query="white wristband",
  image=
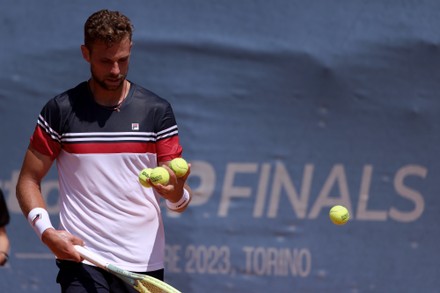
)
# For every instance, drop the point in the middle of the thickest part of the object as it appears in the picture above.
(181, 203)
(39, 220)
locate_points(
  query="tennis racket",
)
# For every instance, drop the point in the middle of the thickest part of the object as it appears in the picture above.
(142, 283)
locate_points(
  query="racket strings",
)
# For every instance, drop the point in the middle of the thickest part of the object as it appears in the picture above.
(146, 287)
(146, 284)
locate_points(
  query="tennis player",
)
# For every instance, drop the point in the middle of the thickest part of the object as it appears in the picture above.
(101, 133)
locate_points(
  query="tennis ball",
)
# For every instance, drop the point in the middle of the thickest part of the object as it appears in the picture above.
(179, 166)
(339, 215)
(159, 175)
(144, 175)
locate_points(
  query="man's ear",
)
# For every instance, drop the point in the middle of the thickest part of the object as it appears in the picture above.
(85, 52)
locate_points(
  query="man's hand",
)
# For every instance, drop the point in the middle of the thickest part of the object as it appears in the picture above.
(3, 258)
(173, 191)
(61, 243)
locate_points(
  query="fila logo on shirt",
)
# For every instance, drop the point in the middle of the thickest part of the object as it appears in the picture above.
(135, 126)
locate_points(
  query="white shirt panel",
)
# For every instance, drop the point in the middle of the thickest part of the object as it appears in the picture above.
(104, 204)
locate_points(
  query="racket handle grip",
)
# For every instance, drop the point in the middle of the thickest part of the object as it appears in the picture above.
(91, 257)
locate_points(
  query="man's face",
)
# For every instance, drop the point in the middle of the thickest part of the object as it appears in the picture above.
(108, 65)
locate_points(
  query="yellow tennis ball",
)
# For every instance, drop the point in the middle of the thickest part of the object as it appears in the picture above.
(144, 175)
(159, 175)
(339, 215)
(179, 166)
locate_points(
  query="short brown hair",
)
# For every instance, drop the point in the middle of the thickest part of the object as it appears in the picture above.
(107, 26)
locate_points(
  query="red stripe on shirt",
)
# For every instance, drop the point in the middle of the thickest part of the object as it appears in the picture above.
(44, 144)
(109, 147)
(166, 149)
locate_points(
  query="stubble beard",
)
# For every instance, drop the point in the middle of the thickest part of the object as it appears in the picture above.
(101, 82)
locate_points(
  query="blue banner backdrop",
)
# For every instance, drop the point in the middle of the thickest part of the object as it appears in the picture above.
(285, 109)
